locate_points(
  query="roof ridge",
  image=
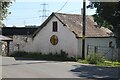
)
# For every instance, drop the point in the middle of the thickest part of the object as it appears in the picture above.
(70, 14)
(67, 13)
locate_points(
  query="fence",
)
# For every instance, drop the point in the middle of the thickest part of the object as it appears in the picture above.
(109, 53)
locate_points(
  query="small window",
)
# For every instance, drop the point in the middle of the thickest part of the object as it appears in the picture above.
(110, 44)
(55, 26)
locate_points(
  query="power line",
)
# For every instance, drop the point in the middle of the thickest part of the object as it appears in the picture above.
(23, 18)
(18, 18)
(44, 11)
(73, 10)
(63, 6)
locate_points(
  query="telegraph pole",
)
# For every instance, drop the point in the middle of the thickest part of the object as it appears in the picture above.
(84, 28)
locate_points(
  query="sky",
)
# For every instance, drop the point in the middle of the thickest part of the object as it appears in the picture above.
(24, 12)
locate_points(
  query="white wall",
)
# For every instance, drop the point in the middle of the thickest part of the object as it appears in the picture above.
(0, 48)
(97, 42)
(100, 41)
(66, 40)
(11, 48)
(21, 41)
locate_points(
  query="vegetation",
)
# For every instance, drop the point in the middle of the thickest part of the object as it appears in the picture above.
(105, 63)
(4, 6)
(31, 26)
(62, 56)
(96, 59)
(107, 13)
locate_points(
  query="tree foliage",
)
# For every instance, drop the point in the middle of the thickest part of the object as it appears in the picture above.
(107, 13)
(4, 6)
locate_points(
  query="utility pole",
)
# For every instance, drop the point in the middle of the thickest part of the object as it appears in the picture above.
(84, 28)
(44, 11)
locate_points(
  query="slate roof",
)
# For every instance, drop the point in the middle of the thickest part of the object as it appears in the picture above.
(10, 31)
(74, 23)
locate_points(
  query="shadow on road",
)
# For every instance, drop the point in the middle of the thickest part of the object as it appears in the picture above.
(86, 71)
(14, 64)
(28, 63)
(45, 59)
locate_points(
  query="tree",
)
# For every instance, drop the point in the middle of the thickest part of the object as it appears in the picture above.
(107, 13)
(4, 6)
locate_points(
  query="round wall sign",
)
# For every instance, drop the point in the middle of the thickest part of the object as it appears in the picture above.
(54, 40)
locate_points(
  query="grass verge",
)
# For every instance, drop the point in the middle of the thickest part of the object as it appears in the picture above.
(105, 63)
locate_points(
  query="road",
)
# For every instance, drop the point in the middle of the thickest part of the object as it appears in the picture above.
(12, 68)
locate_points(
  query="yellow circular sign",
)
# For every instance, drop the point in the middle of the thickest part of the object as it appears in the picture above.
(54, 40)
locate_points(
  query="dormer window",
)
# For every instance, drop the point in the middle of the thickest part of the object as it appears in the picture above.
(55, 26)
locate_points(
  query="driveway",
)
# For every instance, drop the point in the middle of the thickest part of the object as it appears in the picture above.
(12, 68)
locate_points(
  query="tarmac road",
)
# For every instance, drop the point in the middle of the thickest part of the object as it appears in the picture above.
(12, 68)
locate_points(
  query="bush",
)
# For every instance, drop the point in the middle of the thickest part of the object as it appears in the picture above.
(19, 54)
(62, 56)
(94, 58)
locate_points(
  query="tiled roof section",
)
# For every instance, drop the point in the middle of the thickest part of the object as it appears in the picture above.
(74, 23)
(4, 38)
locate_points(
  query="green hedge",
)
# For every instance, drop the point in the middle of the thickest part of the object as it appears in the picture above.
(94, 58)
(62, 56)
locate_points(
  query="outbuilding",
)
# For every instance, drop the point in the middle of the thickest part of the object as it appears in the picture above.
(62, 31)
(5, 45)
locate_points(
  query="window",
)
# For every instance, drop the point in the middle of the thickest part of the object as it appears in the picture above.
(110, 44)
(55, 26)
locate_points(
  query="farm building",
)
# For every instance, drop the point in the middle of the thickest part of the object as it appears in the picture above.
(21, 31)
(5, 45)
(64, 32)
